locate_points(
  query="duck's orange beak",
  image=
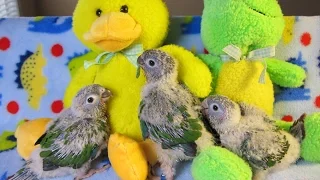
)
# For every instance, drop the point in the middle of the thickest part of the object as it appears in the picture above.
(114, 31)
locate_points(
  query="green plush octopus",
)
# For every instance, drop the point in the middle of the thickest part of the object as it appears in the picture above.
(252, 28)
(240, 37)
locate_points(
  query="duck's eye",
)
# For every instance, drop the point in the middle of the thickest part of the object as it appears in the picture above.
(124, 9)
(90, 100)
(98, 12)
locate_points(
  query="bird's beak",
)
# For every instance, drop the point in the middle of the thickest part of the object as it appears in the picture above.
(204, 107)
(106, 95)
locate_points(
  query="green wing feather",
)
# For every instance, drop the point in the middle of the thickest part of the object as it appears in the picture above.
(188, 131)
(71, 160)
(65, 160)
(269, 160)
(143, 126)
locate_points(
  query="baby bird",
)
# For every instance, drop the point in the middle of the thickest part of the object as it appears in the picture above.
(249, 133)
(73, 140)
(169, 113)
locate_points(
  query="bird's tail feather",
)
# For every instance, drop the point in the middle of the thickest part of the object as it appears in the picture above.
(298, 129)
(24, 174)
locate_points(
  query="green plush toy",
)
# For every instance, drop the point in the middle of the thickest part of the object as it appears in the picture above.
(311, 144)
(210, 166)
(252, 25)
(240, 36)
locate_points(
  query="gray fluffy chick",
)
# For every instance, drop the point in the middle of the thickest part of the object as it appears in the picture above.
(169, 113)
(251, 134)
(73, 140)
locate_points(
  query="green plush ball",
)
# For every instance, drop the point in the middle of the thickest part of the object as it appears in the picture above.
(220, 164)
(310, 147)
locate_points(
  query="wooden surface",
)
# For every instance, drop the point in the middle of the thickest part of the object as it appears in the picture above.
(176, 7)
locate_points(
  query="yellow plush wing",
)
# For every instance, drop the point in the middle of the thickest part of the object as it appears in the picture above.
(192, 71)
(127, 157)
(27, 135)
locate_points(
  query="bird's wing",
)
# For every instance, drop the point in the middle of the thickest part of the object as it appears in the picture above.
(261, 157)
(248, 109)
(57, 150)
(143, 126)
(172, 135)
(181, 137)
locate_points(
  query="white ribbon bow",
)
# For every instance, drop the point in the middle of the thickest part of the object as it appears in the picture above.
(233, 52)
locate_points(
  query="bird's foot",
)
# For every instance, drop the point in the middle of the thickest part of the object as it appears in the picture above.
(152, 177)
(93, 171)
(152, 172)
(168, 173)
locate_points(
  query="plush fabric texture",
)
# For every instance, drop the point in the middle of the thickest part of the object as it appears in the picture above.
(240, 82)
(311, 143)
(190, 70)
(154, 27)
(119, 74)
(241, 23)
(249, 25)
(35, 129)
(113, 26)
(59, 46)
(113, 31)
(127, 158)
(209, 165)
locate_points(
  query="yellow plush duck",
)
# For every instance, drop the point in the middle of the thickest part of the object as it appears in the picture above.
(117, 32)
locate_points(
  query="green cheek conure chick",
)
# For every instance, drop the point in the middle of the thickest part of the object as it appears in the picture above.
(169, 113)
(73, 140)
(248, 132)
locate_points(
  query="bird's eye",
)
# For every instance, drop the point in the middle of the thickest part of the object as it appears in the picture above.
(98, 12)
(215, 107)
(151, 63)
(124, 9)
(90, 100)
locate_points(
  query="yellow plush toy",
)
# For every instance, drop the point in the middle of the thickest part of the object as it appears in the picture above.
(117, 32)
(27, 135)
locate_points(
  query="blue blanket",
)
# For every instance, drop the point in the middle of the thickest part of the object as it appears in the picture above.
(29, 91)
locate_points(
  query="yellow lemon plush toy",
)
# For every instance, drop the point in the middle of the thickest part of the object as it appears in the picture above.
(117, 32)
(27, 135)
